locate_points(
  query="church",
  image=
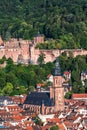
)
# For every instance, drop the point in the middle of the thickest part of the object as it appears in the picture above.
(47, 102)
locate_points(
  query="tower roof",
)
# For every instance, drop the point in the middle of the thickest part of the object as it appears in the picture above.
(57, 70)
(38, 34)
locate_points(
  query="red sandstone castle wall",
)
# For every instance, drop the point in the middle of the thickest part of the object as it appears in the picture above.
(38, 39)
(2, 53)
(12, 49)
(25, 50)
(12, 53)
(34, 53)
(50, 55)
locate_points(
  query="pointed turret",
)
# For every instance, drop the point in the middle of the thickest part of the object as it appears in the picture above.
(57, 70)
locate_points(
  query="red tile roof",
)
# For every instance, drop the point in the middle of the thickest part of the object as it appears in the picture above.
(56, 120)
(79, 95)
(29, 128)
(61, 127)
(45, 127)
(67, 72)
(19, 118)
(19, 98)
(40, 84)
(13, 106)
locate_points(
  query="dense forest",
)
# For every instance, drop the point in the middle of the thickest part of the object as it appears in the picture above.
(65, 21)
(19, 79)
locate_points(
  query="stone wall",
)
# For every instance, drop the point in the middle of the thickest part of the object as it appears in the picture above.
(16, 47)
(13, 48)
(50, 55)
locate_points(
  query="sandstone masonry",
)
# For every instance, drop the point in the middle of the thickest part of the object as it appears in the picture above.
(24, 51)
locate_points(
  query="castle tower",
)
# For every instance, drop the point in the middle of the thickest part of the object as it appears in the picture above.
(57, 91)
(24, 46)
(38, 38)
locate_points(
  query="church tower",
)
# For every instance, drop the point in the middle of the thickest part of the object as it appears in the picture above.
(57, 90)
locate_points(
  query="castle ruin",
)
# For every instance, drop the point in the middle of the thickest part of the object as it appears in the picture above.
(24, 51)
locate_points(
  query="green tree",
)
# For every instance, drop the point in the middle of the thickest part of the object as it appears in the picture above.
(2, 78)
(7, 89)
(54, 128)
(82, 89)
(9, 61)
(75, 75)
(19, 90)
(68, 95)
(2, 60)
(8, 35)
(41, 59)
(2, 82)
(83, 41)
(31, 88)
(22, 90)
(38, 121)
(10, 77)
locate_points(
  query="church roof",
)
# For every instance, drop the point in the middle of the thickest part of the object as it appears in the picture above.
(37, 98)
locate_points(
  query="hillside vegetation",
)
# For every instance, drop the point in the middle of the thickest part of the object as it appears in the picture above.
(62, 20)
(19, 79)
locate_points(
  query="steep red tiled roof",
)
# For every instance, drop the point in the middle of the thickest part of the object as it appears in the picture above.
(19, 118)
(40, 84)
(19, 98)
(15, 113)
(45, 127)
(13, 106)
(56, 120)
(68, 124)
(29, 128)
(61, 127)
(67, 72)
(79, 96)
